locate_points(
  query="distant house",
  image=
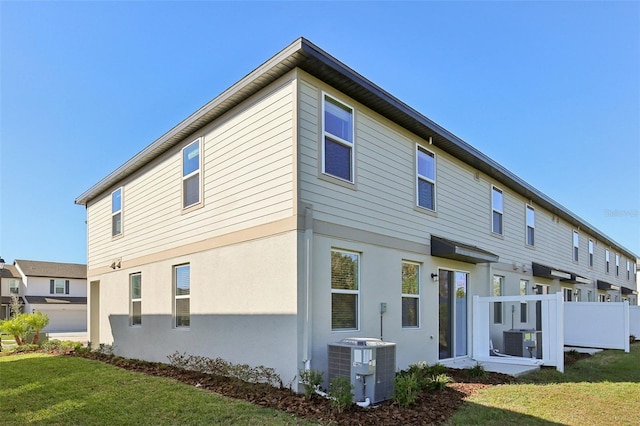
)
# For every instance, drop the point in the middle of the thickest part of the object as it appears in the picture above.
(58, 290)
(10, 284)
(305, 205)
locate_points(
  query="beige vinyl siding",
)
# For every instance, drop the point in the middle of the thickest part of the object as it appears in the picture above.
(383, 199)
(247, 169)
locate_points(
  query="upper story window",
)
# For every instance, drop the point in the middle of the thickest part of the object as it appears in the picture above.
(628, 270)
(635, 270)
(576, 245)
(116, 212)
(345, 290)
(590, 252)
(14, 287)
(135, 284)
(606, 260)
(191, 182)
(497, 208)
(410, 294)
(59, 286)
(531, 225)
(426, 178)
(182, 295)
(338, 140)
(617, 265)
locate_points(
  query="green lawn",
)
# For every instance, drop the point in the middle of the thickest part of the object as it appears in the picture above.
(601, 390)
(58, 390)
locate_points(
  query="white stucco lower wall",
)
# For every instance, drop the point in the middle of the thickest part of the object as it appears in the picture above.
(243, 307)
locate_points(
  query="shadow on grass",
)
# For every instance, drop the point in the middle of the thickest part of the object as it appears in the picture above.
(610, 365)
(475, 414)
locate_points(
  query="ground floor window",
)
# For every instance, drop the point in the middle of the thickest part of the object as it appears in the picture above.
(567, 294)
(498, 290)
(410, 294)
(524, 284)
(345, 289)
(135, 310)
(182, 295)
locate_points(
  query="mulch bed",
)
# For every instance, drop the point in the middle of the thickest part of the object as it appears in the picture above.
(432, 408)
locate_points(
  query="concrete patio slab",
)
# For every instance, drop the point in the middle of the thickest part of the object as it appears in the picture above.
(510, 369)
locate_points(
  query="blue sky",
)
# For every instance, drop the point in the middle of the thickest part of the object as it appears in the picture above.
(550, 90)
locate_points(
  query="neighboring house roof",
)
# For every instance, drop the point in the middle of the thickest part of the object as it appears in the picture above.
(35, 268)
(56, 300)
(305, 55)
(9, 271)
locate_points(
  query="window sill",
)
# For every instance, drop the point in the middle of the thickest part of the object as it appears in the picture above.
(338, 181)
(117, 237)
(187, 210)
(496, 235)
(425, 210)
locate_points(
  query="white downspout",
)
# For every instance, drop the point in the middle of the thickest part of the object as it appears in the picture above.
(308, 249)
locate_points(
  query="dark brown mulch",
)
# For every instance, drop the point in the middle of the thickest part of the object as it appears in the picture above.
(433, 407)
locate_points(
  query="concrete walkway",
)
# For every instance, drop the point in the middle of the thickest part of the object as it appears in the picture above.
(511, 369)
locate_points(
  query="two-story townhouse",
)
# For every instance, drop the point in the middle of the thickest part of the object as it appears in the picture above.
(10, 284)
(304, 205)
(58, 290)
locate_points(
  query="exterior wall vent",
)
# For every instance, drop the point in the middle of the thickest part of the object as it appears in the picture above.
(369, 363)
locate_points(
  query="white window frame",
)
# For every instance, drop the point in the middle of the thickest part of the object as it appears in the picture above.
(177, 297)
(628, 270)
(14, 287)
(499, 211)
(498, 314)
(415, 296)
(420, 177)
(337, 139)
(59, 286)
(575, 255)
(602, 297)
(530, 241)
(567, 294)
(196, 173)
(607, 260)
(344, 291)
(117, 213)
(135, 300)
(617, 265)
(591, 248)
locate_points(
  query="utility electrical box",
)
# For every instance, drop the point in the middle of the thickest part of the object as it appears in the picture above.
(523, 343)
(369, 363)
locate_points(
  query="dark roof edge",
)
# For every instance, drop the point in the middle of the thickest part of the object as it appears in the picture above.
(257, 78)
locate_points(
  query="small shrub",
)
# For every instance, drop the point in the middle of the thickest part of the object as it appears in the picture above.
(632, 338)
(105, 349)
(340, 390)
(438, 382)
(220, 367)
(436, 369)
(311, 380)
(477, 371)
(407, 388)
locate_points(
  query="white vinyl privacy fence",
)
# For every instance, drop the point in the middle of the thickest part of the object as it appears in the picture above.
(597, 325)
(634, 321)
(552, 325)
